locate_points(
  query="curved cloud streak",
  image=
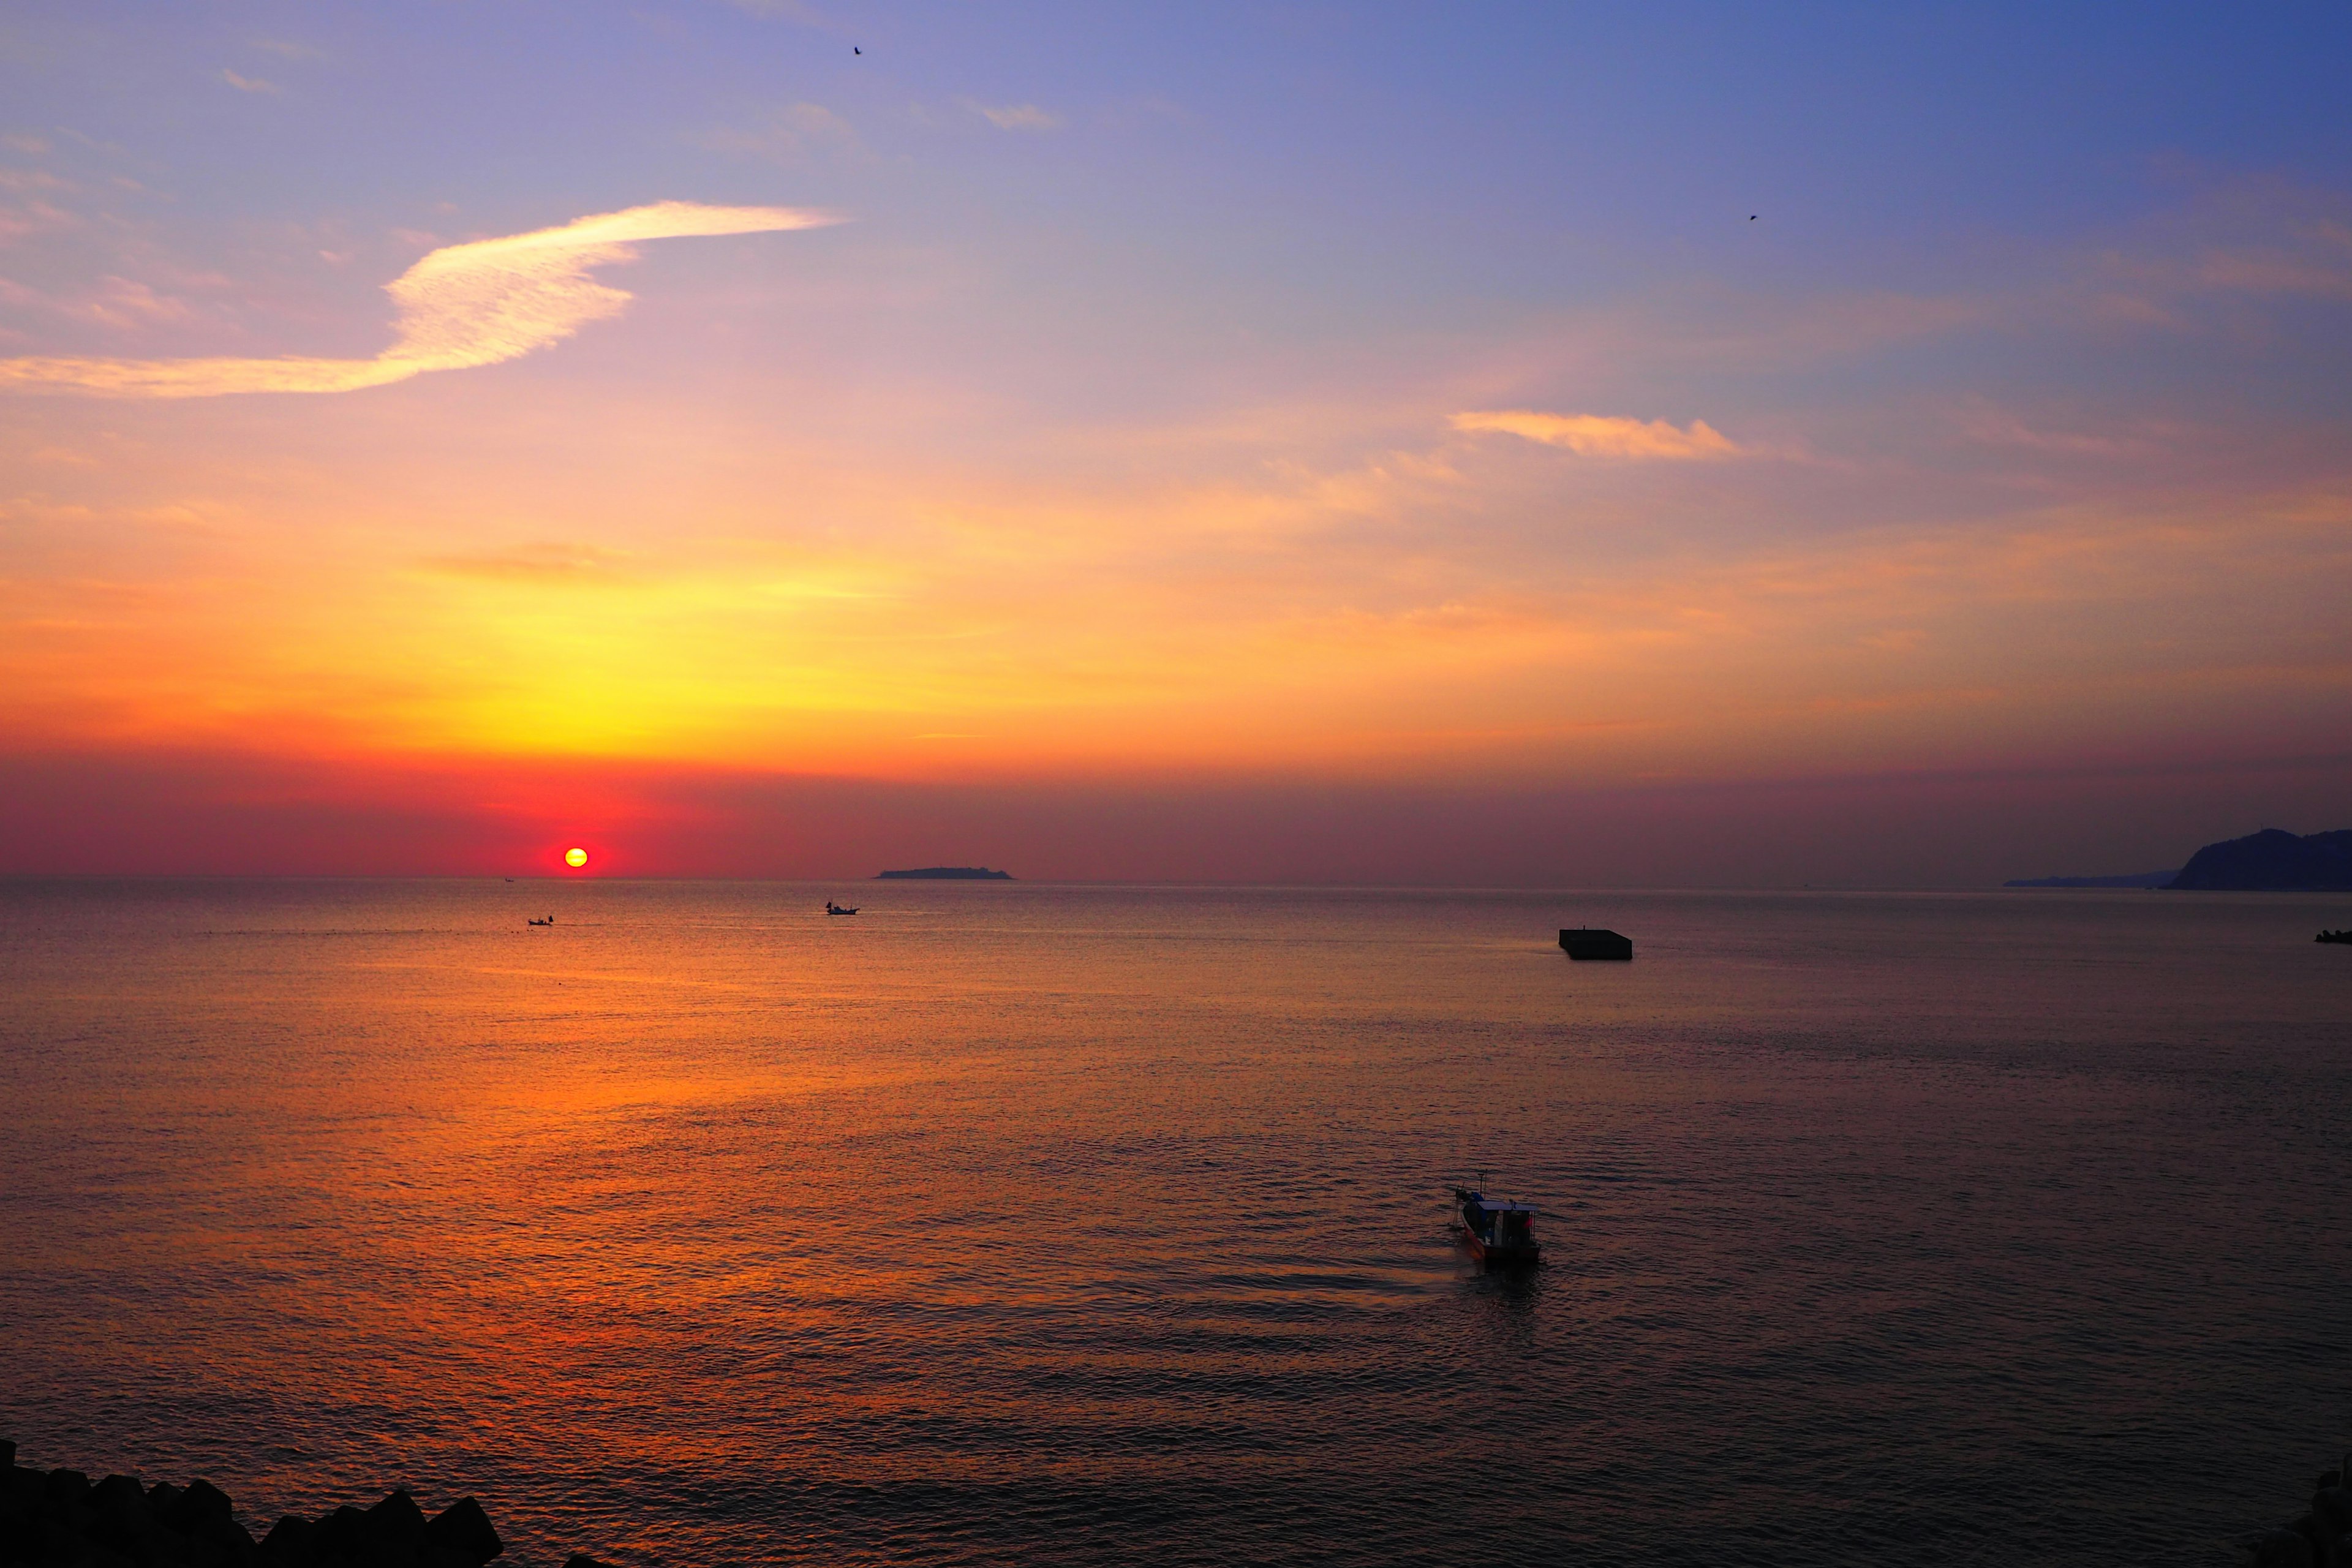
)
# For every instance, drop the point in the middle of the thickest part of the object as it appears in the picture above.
(463, 305)
(1599, 436)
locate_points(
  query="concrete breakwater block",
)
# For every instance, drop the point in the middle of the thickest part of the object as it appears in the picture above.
(60, 1517)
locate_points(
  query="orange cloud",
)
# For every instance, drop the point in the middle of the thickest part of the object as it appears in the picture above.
(462, 306)
(1600, 436)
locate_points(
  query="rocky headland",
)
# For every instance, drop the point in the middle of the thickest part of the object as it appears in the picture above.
(63, 1518)
(2273, 860)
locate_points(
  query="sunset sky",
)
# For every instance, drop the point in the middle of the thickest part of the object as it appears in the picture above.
(1545, 445)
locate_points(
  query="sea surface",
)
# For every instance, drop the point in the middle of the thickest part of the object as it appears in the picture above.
(1021, 1223)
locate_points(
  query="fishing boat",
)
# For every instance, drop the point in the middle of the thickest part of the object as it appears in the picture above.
(547, 922)
(1499, 1231)
(833, 908)
(2342, 936)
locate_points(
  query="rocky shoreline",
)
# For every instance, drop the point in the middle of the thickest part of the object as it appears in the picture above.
(62, 1518)
(2318, 1537)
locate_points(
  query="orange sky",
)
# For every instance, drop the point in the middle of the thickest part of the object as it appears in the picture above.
(855, 476)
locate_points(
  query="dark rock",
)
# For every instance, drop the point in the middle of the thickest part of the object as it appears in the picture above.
(463, 1529)
(118, 1504)
(290, 1539)
(398, 1521)
(342, 1535)
(2331, 1513)
(60, 1518)
(29, 1538)
(204, 1515)
(202, 1505)
(2278, 1549)
(23, 1487)
(7, 1453)
(118, 1494)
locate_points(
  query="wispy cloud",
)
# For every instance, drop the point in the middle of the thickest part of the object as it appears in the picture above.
(248, 83)
(790, 134)
(1016, 116)
(463, 305)
(791, 11)
(1602, 435)
(126, 302)
(553, 562)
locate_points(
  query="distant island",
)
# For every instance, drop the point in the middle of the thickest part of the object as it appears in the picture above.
(946, 874)
(2131, 879)
(2273, 860)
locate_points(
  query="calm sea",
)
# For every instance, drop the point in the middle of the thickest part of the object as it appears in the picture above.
(1039, 1224)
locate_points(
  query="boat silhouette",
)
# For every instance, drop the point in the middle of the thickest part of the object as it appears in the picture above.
(1501, 1234)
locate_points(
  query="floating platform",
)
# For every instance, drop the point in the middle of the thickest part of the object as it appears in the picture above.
(1591, 941)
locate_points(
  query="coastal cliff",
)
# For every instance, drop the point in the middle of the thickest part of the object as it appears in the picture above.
(62, 1518)
(2273, 860)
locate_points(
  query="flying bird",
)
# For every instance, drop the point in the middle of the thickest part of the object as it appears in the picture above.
(1751, 217)
(855, 50)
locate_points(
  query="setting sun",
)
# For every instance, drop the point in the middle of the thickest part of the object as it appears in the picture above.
(1614, 744)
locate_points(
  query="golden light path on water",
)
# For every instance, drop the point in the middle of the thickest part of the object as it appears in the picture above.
(1057, 1225)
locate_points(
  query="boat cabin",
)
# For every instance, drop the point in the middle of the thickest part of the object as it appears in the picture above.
(1498, 1230)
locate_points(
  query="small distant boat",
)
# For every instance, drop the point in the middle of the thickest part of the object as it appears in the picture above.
(547, 922)
(1594, 942)
(1501, 1232)
(2342, 936)
(833, 908)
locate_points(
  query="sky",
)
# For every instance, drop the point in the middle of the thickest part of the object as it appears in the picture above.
(1553, 445)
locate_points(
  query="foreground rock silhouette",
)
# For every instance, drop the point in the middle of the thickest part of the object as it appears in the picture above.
(61, 1517)
(2318, 1537)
